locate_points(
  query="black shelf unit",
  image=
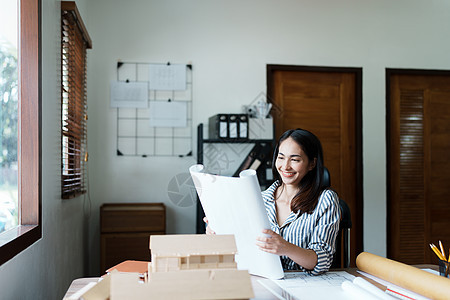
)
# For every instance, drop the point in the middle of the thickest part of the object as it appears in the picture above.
(261, 171)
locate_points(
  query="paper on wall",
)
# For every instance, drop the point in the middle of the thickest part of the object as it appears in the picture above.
(129, 94)
(234, 205)
(168, 114)
(167, 77)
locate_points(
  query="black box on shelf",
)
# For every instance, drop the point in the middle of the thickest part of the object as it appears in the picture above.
(218, 126)
(243, 127)
(233, 126)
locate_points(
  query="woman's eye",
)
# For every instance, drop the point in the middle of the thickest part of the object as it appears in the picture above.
(280, 157)
(295, 160)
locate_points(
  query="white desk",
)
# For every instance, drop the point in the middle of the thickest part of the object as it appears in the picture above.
(261, 292)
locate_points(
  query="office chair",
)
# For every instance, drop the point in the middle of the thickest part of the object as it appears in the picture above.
(342, 255)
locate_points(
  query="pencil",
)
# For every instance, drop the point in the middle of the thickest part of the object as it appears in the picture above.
(442, 250)
(436, 251)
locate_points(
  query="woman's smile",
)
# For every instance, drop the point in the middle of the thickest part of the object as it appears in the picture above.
(287, 174)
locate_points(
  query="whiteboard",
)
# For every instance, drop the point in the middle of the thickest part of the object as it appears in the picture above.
(234, 205)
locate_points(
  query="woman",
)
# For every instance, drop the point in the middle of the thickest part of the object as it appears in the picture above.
(303, 213)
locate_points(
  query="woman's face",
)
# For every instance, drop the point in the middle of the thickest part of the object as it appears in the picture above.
(292, 163)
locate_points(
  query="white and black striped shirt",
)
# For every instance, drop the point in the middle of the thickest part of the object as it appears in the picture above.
(316, 231)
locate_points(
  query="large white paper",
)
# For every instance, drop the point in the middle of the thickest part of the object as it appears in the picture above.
(300, 285)
(168, 114)
(129, 94)
(167, 77)
(356, 292)
(234, 205)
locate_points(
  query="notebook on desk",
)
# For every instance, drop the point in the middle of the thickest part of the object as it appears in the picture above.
(234, 205)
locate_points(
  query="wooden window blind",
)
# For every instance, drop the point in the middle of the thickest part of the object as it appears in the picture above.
(75, 42)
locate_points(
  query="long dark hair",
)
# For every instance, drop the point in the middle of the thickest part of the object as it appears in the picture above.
(312, 185)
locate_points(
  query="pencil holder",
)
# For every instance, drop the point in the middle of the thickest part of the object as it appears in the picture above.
(443, 268)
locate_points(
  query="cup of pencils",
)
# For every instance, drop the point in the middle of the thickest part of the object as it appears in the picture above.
(443, 268)
(444, 262)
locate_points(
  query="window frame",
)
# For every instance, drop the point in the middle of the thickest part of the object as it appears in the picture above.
(29, 230)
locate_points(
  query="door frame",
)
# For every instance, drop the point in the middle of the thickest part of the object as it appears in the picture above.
(359, 202)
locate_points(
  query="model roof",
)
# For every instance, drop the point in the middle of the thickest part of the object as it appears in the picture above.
(192, 244)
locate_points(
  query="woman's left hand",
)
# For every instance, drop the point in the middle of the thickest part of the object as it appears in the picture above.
(273, 243)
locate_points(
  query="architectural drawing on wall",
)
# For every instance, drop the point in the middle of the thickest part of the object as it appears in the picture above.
(129, 94)
(161, 127)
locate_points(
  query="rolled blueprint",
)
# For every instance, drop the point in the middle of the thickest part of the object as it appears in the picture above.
(359, 281)
(234, 205)
(405, 276)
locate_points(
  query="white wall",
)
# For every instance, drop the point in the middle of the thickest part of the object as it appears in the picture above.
(229, 44)
(46, 269)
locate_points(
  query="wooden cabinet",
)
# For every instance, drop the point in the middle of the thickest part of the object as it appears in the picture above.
(125, 230)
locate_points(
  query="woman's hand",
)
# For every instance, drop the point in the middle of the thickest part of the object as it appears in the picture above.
(273, 243)
(208, 228)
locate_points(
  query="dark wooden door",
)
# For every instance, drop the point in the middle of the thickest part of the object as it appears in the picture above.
(418, 173)
(327, 102)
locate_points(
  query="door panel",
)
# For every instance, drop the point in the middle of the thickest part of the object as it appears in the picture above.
(418, 155)
(326, 101)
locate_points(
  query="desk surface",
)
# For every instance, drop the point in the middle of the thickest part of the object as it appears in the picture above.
(260, 291)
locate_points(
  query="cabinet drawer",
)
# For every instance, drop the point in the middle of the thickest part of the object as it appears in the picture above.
(132, 217)
(118, 247)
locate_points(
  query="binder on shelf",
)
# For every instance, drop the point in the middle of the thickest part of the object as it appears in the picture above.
(233, 126)
(243, 126)
(255, 158)
(218, 127)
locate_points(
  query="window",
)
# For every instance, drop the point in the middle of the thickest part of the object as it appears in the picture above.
(75, 41)
(9, 107)
(28, 230)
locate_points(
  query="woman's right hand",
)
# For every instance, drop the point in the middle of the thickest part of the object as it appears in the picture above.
(208, 228)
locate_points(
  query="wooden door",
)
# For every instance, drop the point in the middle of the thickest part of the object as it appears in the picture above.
(327, 102)
(418, 152)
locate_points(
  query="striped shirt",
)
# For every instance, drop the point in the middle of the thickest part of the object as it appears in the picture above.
(316, 231)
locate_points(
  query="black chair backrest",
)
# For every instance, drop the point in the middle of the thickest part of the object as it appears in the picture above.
(341, 257)
(346, 217)
(326, 177)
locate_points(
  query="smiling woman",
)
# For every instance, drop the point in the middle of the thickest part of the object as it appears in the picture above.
(303, 212)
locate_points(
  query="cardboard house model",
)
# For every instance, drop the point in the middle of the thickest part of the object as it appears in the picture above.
(182, 267)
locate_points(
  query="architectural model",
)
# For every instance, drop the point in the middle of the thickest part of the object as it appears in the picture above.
(183, 267)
